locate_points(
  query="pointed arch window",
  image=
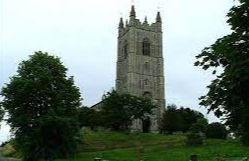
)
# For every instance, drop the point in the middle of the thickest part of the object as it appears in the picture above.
(146, 47)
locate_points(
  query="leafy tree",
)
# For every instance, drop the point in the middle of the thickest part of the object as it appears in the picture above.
(120, 109)
(90, 118)
(228, 94)
(1, 113)
(216, 130)
(189, 117)
(181, 119)
(41, 102)
(200, 126)
(171, 120)
(197, 132)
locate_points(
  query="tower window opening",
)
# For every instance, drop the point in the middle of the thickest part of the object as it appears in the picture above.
(146, 47)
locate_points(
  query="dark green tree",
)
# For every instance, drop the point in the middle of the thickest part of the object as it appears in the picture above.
(189, 117)
(41, 102)
(200, 126)
(216, 130)
(171, 121)
(1, 113)
(90, 118)
(119, 109)
(228, 94)
(178, 119)
(197, 131)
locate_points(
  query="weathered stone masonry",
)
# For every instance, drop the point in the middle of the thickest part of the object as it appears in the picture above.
(140, 65)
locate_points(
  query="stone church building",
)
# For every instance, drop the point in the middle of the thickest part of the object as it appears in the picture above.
(140, 66)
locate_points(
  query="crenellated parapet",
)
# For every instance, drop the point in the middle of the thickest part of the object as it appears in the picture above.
(133, 22)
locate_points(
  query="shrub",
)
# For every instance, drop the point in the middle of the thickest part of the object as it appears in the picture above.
(216, 130)
(179, 119)
(200, 125)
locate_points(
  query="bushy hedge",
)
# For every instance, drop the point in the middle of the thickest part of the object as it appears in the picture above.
(216, 130)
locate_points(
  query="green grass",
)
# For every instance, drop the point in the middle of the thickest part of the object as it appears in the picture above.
(95, 141)
(114, 146)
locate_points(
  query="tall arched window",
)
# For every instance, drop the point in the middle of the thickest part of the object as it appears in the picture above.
(146, 46)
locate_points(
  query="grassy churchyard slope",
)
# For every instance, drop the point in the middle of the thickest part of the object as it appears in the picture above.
(115, 146)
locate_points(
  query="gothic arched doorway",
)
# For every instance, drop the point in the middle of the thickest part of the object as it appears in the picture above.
(146, 125)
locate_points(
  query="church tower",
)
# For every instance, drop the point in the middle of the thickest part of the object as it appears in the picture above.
(140, 65)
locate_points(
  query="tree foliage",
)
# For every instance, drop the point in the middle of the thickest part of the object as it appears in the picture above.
(41, 102)
(90, 118)
(216, 130)
(197, 131)
(200, 126)
(120, 109)
(1, 113)
(179, 119)
(228, 94)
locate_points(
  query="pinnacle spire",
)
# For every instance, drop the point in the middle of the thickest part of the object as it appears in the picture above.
(121, 23)
(158, 17)
(145, 20)
(132, 13)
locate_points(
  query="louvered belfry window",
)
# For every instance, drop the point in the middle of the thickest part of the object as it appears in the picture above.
(146, 46)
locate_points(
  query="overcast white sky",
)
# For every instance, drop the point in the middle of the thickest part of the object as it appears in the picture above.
(84, 34)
